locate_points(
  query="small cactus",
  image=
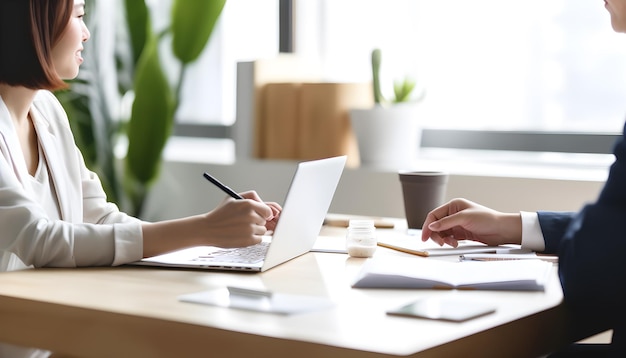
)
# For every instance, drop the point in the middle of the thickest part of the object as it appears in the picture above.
(376, 58)
(402, 89)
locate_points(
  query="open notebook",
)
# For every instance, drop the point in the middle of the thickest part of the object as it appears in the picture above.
(430, 273)
(306, 204)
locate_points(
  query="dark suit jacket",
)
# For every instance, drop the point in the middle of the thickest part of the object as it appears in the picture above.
(591, 245)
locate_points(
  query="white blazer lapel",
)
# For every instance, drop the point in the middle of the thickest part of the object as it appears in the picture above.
(13, 147)
(50, 148)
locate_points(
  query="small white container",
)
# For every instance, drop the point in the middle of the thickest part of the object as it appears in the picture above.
(361, 238)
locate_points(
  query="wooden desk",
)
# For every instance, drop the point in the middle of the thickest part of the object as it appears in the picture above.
(134, 312)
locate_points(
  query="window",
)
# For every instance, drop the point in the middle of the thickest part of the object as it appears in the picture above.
(496, 72)
(246, 30)
(485, 64)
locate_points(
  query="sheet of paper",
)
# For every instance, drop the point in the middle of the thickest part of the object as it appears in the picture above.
(330, 244)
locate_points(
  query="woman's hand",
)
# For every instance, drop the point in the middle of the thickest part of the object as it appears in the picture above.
(461, 219)
(238, 223)
(272, 220)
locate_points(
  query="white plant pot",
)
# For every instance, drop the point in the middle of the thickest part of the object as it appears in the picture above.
(387, 137)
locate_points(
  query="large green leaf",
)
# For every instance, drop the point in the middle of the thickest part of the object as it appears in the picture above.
(192, 24)
(152, 116)
(138, 20)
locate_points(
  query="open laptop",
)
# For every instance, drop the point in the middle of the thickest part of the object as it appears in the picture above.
(306, 205)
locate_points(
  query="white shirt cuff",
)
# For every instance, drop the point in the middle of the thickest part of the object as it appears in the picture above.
(532, 237)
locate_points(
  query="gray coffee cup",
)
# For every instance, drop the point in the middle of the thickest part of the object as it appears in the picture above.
(422, 192)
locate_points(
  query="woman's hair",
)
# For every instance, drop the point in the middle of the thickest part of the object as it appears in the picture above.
(28, 31)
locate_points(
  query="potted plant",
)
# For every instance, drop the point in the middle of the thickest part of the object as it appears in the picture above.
(388, 135)
(123, 93)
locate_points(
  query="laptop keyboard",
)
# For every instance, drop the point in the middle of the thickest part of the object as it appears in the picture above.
(247, 255)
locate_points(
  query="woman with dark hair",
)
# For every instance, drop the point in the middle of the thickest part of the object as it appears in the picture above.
(53, 210)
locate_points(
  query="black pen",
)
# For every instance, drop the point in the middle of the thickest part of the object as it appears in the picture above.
(226, 189)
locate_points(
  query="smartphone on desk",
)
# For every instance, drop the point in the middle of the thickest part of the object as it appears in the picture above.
(444, 309)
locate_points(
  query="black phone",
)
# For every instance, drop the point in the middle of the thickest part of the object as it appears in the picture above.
(445, 309)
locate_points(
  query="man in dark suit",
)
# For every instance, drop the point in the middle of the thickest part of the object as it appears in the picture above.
(591, 245)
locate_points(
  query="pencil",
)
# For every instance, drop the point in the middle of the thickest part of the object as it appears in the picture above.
(507, 257)
(403, 249)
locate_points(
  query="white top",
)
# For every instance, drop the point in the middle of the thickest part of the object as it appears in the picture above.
(532, 237)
